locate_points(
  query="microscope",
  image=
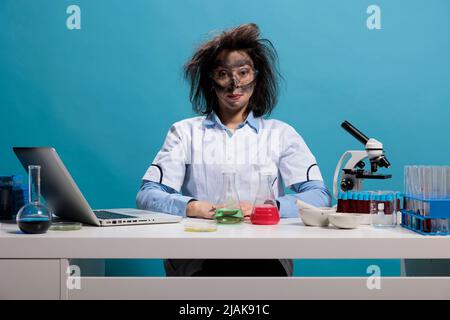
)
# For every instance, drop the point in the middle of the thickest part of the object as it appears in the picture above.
(353, 172)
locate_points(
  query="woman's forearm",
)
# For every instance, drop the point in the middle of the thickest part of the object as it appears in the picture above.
(158, 197)
(313, 192)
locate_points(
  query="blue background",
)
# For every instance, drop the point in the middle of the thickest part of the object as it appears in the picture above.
(105, 95)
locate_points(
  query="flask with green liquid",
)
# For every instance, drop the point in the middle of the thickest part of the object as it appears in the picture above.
(228, 206)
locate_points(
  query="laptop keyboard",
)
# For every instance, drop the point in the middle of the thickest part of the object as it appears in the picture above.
(106, 215)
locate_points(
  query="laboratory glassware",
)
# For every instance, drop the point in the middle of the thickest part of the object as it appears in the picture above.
(228, 210)
(427, 190)
(34, 217)
(265, 209)
(383, 208)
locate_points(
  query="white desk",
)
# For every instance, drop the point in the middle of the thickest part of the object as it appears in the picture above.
(35, 265)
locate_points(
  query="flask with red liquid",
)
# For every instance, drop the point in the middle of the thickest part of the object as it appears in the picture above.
(265, 210)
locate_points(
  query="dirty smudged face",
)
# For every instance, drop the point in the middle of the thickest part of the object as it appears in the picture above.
(234, 79)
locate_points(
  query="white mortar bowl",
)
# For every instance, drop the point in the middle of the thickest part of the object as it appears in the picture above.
(317, 217)
(345, 220)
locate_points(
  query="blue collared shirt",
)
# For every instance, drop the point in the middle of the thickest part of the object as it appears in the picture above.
(213, 120)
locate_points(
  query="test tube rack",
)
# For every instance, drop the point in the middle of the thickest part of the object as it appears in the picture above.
(426, 216)
(364, 202)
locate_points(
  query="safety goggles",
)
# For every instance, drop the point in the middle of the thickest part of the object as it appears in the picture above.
(236, 77)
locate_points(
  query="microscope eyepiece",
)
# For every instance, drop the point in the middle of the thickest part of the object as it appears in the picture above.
(383, 162)
(358, 135)
(380, 161)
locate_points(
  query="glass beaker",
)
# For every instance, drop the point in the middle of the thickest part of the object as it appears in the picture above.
(265, 209)
(34, 217)
(228, 206)
(383, 208)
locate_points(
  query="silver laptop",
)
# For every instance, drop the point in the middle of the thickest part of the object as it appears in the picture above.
(67, 201)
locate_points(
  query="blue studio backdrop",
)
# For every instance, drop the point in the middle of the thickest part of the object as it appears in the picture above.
(101, 81)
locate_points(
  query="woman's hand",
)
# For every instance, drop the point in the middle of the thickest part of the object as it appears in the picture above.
(246, 207)
(200, 209)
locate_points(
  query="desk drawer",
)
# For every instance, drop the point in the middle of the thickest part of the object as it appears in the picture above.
(29, 279)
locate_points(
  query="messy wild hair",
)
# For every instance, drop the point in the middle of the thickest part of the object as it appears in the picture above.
(265, 60)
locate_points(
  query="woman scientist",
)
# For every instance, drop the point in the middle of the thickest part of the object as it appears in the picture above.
(233, 83)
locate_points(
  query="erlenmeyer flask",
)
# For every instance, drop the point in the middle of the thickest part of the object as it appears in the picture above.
(265, 210)
(34, 217)
(228, 207)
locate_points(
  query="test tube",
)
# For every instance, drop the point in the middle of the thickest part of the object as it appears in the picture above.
(339, 202)
(366, 199)
(448, 182)
(355, 202)
(416, 185)
(420, 189)
(436, 182)
(351, 203)
(434, 226)
(426, 226)
(413, 180)
(441, 190)
(406, 179)
(442, 173)
(359, 203)
(409, 190)
(447, 194)
(398, 200)
(345, 202)
(407, 204)
(426, 176)
(444, 228)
